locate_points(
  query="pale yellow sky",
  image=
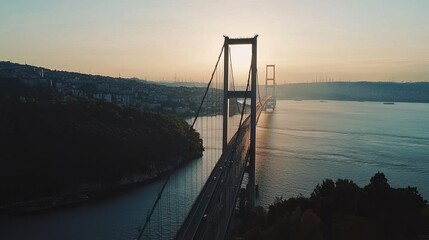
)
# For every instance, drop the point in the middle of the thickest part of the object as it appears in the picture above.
(375, 40)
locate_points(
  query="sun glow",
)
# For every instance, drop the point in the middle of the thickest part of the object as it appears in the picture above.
(241, 58)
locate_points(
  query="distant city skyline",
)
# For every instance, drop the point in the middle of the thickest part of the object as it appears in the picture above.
(366, 40)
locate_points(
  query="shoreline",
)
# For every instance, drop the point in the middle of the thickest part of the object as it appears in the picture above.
(52, 203)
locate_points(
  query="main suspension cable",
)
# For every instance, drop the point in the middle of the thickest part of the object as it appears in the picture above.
(243, 109)
(208, 87)
(148, 218)
(153, 208)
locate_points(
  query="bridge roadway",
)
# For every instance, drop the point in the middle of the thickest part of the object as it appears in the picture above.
(213, 209)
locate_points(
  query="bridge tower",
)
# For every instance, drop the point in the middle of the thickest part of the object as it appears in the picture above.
(242, 94)
(270, 86)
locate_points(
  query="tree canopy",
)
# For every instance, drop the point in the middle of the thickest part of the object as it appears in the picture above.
(342, 210)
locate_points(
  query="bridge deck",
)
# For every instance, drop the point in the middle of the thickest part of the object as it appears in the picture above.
(212, 210)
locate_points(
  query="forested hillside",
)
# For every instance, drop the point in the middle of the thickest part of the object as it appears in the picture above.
(56, 145)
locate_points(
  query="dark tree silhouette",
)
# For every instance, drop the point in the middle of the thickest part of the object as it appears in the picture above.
(342, 210)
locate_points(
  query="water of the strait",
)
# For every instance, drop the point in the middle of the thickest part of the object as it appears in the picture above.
(303, 142)
(298, 145)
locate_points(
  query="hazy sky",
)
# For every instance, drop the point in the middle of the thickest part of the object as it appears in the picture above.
(160, 39)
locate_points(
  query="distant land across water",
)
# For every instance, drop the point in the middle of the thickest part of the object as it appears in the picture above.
(341, 91)
(356, 91)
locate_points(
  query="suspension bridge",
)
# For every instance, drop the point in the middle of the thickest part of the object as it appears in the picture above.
(203, 208)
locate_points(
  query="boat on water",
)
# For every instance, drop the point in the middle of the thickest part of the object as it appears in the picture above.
(389, 103)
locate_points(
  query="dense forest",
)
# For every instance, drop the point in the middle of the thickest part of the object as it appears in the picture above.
(343, 210)
(54, 145)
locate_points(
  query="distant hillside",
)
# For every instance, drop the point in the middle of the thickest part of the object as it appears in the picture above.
(356, 91)
(53, 147)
